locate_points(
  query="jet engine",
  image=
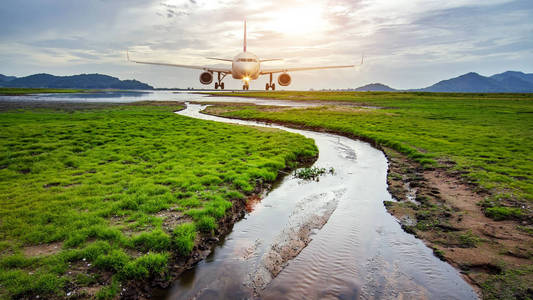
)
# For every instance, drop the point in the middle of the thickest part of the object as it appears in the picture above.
(284, 79)
(206, 77)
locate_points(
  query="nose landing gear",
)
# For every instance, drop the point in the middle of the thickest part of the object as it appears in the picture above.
(246, 86)
(270, 85)
(220, 83)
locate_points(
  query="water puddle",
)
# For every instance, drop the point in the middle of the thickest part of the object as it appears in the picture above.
(326, 239)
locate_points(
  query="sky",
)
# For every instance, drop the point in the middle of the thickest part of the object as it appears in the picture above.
(406, 43)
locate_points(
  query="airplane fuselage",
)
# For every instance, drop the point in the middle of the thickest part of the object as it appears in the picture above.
(246, 66)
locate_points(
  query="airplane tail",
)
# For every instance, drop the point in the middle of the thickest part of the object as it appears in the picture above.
(245, 35)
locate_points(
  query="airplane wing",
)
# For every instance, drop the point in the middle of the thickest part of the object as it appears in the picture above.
(283, 70)
(205, 68)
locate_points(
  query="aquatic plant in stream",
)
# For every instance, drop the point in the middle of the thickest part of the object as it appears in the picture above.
(312, 173)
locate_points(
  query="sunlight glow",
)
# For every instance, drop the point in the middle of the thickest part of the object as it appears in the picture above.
(308, 18)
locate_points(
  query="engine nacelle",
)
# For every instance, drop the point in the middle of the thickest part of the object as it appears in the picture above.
(284, 79)
(206, 77)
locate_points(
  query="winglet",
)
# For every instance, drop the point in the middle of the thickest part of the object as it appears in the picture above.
(244, 35)
(127, 55)
(362, 57)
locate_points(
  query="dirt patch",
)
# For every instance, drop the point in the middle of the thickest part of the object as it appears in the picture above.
(41, 250)
(251, 202)
(172, 218)
(446, 214)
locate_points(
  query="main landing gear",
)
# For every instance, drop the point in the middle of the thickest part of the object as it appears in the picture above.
(270, 85)
(220, 83)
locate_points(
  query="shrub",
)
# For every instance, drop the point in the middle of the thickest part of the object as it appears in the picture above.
(184, 236)
(217, 208)
(18, 282)
(110, 291)
(156, 240)
(115, 260)
(469, 240)
(499, 213)
(75, 239)
(206, 224)
(93, 250)
(15, 261)
(146, 265)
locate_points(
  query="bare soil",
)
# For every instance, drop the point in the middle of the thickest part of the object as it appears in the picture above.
(460, 232)
(43, 249)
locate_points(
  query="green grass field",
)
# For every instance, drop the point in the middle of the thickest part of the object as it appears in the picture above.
(90, 196)
(25, 91)
(488, 138)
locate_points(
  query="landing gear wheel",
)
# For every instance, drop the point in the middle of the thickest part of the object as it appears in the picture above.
(244, 87)
(219, 82)
(270, 84)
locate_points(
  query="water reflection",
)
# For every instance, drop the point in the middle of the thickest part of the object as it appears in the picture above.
(134, 95)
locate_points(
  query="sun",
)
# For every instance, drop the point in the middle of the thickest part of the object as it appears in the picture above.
(308, 18)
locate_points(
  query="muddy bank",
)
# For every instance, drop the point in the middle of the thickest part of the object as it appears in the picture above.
(441, 208)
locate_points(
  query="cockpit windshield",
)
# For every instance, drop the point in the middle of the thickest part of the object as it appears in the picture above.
(247, 60)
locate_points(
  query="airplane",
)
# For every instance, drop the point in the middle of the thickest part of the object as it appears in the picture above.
(245, 66)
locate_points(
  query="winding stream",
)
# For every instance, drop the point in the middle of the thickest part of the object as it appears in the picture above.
(361, 252)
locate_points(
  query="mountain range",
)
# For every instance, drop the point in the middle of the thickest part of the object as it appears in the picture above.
(506, 82)
(82, 81)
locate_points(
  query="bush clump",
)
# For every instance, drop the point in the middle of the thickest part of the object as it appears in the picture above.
(115, 260)
(184, 236)
(156, 240)
(145, 266)
(500, 213)
(206, 224)
(469, 240)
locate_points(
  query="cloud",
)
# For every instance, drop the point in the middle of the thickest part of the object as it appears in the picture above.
(408, 43)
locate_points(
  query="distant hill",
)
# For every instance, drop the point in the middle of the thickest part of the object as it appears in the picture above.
(4, 78)
(513, 74)
(375, 87)
(82, 81)
(515, 81)
(507, 82)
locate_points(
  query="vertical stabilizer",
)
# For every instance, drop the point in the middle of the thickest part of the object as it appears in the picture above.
(244, 35)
